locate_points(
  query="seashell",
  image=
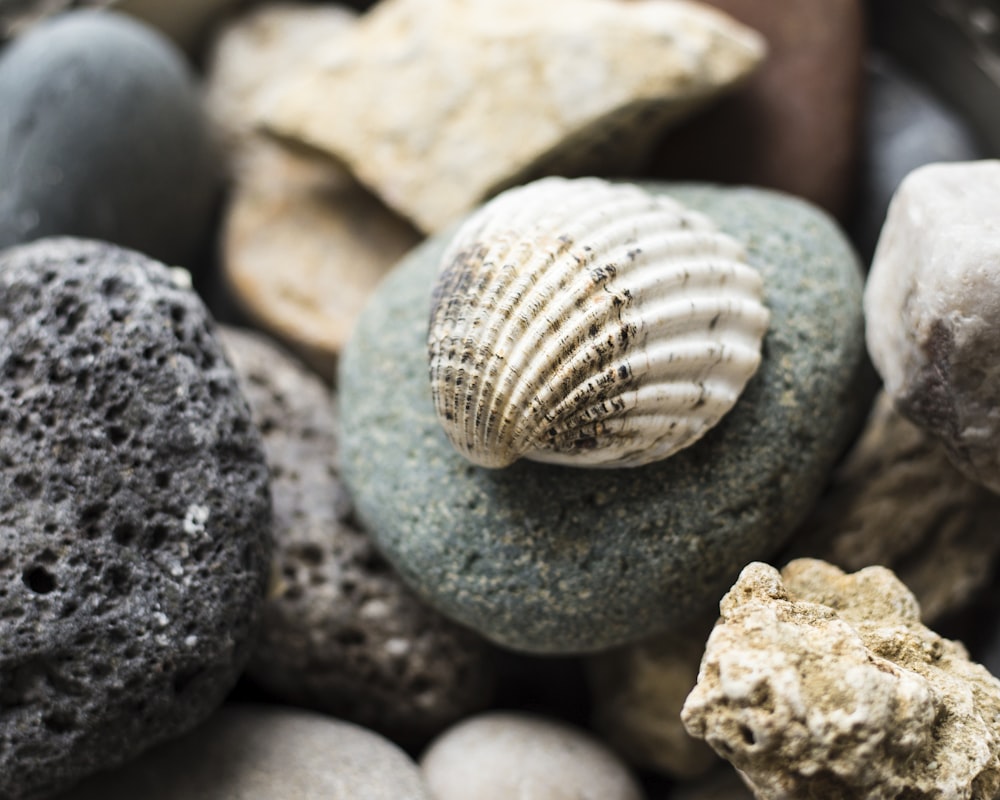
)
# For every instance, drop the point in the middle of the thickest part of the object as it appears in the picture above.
(591, 324)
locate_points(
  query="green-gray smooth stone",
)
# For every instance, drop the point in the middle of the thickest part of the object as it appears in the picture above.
(551, 559)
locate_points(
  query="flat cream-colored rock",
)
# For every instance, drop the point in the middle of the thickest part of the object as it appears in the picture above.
(816, 683)
(638, 691)
(897, 500)
(932, 309)
(303, 246)
(438, 104)
(514, 756)
(253, 52)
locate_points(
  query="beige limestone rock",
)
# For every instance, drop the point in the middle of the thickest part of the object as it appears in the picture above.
(303, 243)
(638, 691)
(303, 246)
(816, 683)
(932, 309)
(898, 501)
(252, 52)
(507, 755)
(438, 104)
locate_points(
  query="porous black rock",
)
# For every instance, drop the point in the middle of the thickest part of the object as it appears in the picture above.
(340, 631)
(134, 512)
(102, 135)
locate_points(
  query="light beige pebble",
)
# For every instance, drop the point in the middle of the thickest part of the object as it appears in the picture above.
(638, 691)
(506, 755)
(898, 501)
(303, 246)
(253, 51)
(265, 753)
(438, 104)
(932, 309)
(816, 683)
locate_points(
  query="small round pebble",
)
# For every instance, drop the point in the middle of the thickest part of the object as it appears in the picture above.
(552, 559)
(134, 512)
(102, 136)
(340, 631)
(504, 755)
(248, 752)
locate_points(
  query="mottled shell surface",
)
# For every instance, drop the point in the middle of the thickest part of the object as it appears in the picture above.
(591, 324)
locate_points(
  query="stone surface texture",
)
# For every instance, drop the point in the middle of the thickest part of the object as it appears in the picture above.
(253, 51)
(339, 631)
(501, 755)
(905, 127)
(932, 310)
(554, 559)
(103, 136)
(795, 124)
(584, 82)
(247, 752)
(896, 500)
(304, 246)
(817, 683)
(637, 693)
(134, 513)
(303, 243)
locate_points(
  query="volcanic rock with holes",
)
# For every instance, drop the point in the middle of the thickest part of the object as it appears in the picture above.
(898, 501)
(550, 558)
(586, 87)
(134, 512)
(817, 683)
(932, 310)
(340, 632)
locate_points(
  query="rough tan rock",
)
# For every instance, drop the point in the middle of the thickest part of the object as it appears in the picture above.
(816, 683)
(932, 309)
(251, 53)
(897, 500)
(438, 104)
(507, 755)
(638, 691)
(303, 246)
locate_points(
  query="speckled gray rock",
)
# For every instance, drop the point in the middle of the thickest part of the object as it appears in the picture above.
(549, 559)
(340, 631)
(502, 755)
(898, 501)
(265, 753)
(103, 136)
(134, 512)
(906, 126)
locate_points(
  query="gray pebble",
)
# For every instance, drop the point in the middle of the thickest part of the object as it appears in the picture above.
(103, 136)
(341, 633)
(134, 513)
(551, 559)
(265, 753)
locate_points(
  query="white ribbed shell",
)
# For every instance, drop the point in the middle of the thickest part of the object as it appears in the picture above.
(592, 324)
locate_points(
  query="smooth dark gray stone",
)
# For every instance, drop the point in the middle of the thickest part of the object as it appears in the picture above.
(906, 126)
(102, 136)
(553, 559)
(134, 513)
